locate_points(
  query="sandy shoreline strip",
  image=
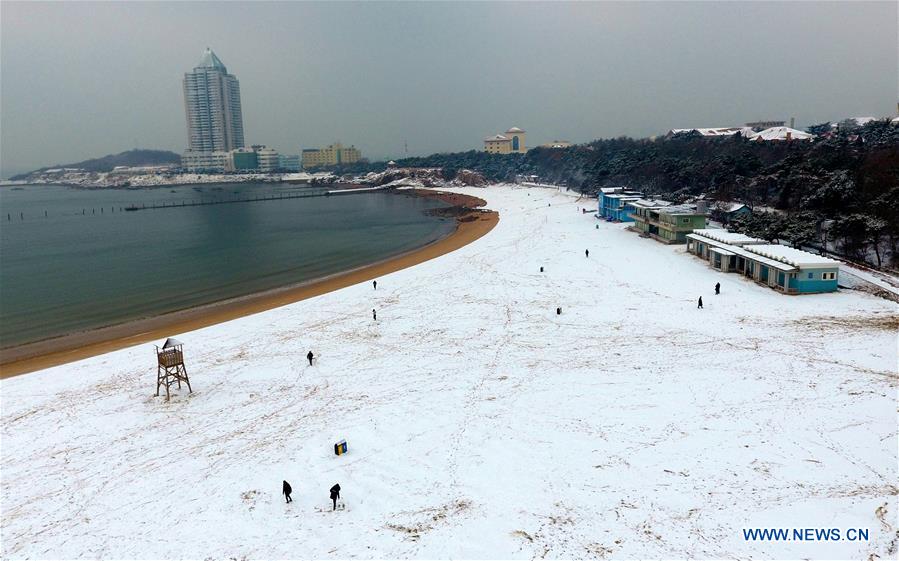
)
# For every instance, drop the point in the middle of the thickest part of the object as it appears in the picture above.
(470, 225)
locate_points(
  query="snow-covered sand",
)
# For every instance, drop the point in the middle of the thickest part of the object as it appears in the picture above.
(480, 424)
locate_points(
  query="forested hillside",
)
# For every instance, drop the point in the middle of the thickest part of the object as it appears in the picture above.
(136, 157)
(840, 190)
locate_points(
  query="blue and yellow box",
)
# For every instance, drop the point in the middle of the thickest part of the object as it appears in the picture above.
(340, 447)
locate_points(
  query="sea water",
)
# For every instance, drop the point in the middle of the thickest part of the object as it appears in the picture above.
(73, 259)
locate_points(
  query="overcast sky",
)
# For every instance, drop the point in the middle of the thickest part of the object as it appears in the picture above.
(81, 80)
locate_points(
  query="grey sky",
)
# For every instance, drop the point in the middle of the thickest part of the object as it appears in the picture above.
(80, 80)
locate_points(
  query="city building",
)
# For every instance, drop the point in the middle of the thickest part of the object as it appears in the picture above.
(243, 159)
(497, 144)
(664, 221)
(512, 142)
(212, 107)
(789, 270)
(288, 162)
(203, 161)
(334, 155)
(613, 203)
(267, 158)
(762, 125)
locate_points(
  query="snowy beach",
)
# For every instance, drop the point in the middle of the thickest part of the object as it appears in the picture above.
(480, 424)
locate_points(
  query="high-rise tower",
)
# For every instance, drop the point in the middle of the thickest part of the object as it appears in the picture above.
(212, 106)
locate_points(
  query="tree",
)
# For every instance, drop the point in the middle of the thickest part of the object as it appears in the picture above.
(851, 230)
(820, 129)
(799, 229)
(875, 228)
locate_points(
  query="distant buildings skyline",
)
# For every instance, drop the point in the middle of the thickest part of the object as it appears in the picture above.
(332, 155)
(215, 132)
(212, 107)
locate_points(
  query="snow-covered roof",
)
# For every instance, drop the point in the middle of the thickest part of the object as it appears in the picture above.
(792, 256)
(209, 60)
(718, 131)
(650, 203)
(618, 191)
(732, 238)
(171, 342)
(680, 209)
(737, 250)
(514, 129)
(496, 138)
(780, 133)
(721, 251)
(729, 207)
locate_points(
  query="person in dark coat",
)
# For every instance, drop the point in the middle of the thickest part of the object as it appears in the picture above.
(335, 494)
(558, 311)
(717, 288)
(310, 356)
(287, 490)
(374, 315)
(541, 269)
(700, 303)
(587, 252)
(374, 284)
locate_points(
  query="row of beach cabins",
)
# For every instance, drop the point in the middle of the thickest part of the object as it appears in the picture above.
(786, 269)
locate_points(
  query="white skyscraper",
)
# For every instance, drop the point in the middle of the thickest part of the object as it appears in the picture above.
(212, 106)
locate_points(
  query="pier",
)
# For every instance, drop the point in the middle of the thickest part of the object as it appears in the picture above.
(233, 200)
(220, 201)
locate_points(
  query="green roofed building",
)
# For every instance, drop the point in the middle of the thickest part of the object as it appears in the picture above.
(664, 221)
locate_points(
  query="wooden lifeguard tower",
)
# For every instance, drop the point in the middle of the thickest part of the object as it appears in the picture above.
(170, 367)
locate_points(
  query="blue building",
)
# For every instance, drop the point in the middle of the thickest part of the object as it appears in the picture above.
(789, 270)
(612, 201)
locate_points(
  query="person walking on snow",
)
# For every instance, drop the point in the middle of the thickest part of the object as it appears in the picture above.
(717, 288)
(700, 303)
(286, 489)
(310, 356)
(587, 252)
(374, 315)
(374, 284)
(335, 494)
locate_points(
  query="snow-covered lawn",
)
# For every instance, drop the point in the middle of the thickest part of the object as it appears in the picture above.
(480, 424)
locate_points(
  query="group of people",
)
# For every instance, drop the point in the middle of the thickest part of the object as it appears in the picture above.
(335, 493)
(717, 292)
(699, 305)
(335, 490)
(374, 316)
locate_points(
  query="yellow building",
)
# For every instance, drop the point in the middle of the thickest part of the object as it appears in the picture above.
(333, 155)
(512, 142)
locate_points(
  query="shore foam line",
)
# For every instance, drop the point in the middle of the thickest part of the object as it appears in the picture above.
(61, 350)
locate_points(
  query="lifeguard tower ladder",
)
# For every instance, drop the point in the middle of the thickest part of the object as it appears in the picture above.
(170, 367)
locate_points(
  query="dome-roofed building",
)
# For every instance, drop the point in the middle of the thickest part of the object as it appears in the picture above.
(516, 135)
(512, 142)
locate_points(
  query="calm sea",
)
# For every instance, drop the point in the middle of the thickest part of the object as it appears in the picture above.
(80, 267)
